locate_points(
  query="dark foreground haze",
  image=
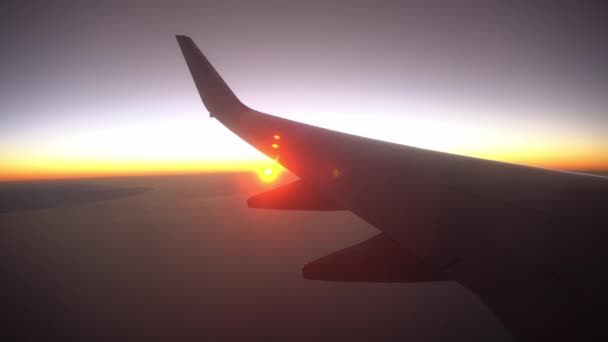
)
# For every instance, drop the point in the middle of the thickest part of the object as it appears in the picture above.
(183, 258)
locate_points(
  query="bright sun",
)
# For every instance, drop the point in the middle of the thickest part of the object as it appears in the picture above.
(268, 174)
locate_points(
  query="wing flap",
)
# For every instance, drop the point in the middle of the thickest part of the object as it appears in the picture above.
(293, 196)
(378, 259)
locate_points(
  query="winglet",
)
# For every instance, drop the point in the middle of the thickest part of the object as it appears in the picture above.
(216, 95)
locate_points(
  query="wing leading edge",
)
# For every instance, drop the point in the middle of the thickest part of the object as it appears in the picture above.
(517, 236)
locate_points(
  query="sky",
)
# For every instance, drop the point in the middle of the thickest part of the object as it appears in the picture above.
(101, 88)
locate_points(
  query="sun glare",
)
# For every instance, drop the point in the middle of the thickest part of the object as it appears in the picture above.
(268, 174)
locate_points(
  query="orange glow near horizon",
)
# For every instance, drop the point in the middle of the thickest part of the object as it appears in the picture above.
(91, 169)
(55, 168)
(135, 149)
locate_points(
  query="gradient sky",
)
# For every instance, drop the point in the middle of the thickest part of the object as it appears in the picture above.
(101, 88)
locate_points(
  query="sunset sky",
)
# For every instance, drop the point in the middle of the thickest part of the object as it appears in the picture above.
(101, 88)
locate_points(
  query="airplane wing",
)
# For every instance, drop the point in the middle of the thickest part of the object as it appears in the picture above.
(530, 242)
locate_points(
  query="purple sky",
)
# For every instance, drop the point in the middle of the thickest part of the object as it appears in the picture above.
(476, 78)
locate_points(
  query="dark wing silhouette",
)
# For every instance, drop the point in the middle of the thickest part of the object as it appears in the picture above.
(530, 242)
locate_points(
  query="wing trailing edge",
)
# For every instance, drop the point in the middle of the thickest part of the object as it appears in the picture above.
(378, 259)
(293, 196)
